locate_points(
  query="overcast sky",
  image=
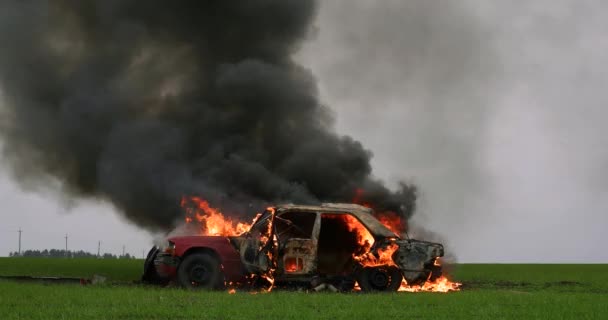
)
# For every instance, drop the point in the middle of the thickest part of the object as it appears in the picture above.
(495, 110)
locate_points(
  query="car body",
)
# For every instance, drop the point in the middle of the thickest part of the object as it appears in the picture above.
(302, 246)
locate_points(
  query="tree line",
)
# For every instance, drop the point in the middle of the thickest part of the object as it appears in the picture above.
(60, 253)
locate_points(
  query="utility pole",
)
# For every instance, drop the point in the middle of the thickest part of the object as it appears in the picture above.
(66, 245)
(98, 248)
(20, 241)
(123, 250)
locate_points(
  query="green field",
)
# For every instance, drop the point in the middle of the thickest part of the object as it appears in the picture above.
(117, 270)
(490, 291)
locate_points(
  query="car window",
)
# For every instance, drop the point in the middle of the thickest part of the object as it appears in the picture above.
(295, 224)
(260, 227)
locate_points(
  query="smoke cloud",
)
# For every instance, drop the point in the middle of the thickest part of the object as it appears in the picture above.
(426, 77)
(497, 111)
(140, 103)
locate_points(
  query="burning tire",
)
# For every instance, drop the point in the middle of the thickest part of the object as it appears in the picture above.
(383, 278)
(200, 271)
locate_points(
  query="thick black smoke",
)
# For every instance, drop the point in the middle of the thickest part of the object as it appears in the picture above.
(141, 102)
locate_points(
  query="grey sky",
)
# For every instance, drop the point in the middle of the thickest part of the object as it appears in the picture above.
(495, 110)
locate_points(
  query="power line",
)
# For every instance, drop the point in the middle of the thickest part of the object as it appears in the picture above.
(66, 244)
(20, 240)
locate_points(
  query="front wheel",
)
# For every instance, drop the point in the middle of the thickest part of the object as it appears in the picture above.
(200, 271)
(382, 278)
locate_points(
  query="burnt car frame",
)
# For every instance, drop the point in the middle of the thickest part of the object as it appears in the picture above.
(297, 246)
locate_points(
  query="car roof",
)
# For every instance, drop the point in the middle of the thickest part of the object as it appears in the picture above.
(363, 214)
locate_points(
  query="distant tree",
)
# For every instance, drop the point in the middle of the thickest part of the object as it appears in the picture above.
(32, 253)
(61, 253)
(109, 256)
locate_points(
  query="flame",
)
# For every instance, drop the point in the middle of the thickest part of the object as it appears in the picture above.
(389, 219)
(441, 284)
(293, 264)
(269, 236)
(364, 238)
(212, 222)
(384, 258)
(392, 221)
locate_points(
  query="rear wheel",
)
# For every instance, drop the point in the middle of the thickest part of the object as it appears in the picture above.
(382, 278)
(200, 271)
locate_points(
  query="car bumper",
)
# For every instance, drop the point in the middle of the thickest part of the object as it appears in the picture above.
(166, 265)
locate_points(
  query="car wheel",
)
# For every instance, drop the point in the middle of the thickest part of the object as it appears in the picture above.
(200, 271)
(383, 278)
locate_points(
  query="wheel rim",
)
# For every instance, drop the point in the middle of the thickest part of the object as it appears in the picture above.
(379, 278)
(199, 274)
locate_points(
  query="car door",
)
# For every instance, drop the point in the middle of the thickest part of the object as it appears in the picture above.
(297, 233)
(257, 247)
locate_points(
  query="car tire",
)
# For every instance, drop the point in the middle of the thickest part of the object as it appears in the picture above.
(200, 271)
(382, 278)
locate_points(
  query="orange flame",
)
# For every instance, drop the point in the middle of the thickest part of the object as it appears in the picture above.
(293, 264)
(392, 221)
(385, 257)
(268, 235)
(364, 238)
(441, 284)
(389, 219)
(212, 222)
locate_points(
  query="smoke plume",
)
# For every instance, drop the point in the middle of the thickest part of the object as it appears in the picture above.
(141, 102)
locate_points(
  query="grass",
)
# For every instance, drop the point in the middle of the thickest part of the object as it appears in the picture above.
(490, 292)
(114, 269)
(560, 277)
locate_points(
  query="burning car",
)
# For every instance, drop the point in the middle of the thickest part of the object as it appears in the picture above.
(342, 246)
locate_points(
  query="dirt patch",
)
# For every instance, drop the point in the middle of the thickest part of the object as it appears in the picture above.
(567, 283)
(562, 286)
(502, 284)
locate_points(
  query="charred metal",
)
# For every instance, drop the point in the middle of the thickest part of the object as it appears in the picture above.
(327, 247)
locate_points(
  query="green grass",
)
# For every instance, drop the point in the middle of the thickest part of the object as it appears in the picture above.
(533, 277)
(490, 292)
(535, 273)
(113, 269)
